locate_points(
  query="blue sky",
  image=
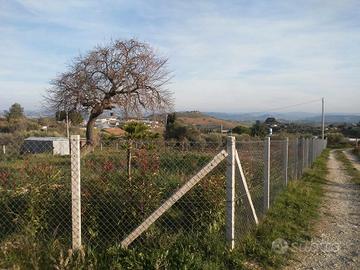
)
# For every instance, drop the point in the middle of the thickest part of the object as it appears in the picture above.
(230, 56)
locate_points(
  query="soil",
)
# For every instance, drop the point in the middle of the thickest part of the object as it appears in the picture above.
(336, 244)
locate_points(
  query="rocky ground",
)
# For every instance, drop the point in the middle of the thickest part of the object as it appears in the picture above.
(336, 244)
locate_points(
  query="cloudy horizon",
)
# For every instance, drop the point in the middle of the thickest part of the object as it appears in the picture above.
(236, 56)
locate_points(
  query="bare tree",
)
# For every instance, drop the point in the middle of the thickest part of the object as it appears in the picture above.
(125, 74)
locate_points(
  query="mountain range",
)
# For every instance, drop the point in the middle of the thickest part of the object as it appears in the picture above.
(300, 117)
(303, 117)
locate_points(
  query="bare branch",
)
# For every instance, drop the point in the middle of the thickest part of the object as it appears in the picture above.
(125, 74)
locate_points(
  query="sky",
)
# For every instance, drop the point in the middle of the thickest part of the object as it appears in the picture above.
(225, 56)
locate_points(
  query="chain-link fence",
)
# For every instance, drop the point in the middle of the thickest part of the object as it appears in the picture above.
(35, 194)
(124, 182)
(143, 195)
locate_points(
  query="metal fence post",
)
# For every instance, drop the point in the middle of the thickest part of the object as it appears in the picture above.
(267, 175)
(230, 192)
(286, 161)
(75, 192)
(296, 156)
(308, 152)
(305, 154)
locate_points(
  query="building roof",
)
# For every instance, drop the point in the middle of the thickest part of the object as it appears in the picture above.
(46, 139)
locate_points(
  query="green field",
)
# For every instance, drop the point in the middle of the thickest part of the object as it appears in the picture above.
(35, 208)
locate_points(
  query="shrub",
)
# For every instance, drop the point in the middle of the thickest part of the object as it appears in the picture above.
(337, 140)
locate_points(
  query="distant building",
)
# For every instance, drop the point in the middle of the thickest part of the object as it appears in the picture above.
(274, 125)
(53, 145)
(147, 122)
(107, 122)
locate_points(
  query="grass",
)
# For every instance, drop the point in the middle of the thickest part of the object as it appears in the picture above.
(290, 218)
(350, 169)
(356, 152)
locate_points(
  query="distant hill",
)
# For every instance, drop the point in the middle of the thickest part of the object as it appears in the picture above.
(334, 119)
(304, 117)
(229, 120)
(202, 119)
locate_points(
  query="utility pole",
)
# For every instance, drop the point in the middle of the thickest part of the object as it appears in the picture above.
(323, 119)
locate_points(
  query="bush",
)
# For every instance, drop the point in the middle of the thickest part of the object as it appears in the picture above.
(337, 140)
(241, 130)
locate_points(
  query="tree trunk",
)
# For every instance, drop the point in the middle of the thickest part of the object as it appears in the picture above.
(90, 130)
(90, 140)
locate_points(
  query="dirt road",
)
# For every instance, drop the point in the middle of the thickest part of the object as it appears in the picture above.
(336, 244)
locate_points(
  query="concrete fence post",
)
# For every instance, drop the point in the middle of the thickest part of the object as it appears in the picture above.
(303, 155)
(75, 192)
(267, 174)
(4, 149)
(311, 149)
(230, 192)
(286, 161)
(320, 146)
(314, 150)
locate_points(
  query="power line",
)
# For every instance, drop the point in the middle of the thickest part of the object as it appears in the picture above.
(291, 106)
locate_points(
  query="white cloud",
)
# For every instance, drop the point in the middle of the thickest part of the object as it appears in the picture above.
(222, 54)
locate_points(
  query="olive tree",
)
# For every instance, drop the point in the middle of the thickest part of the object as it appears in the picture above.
(126, 74)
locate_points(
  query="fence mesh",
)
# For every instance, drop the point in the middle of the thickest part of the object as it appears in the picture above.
(141, 194)
(35, 191)
(251, 154)
(277, 168)
(124, 182)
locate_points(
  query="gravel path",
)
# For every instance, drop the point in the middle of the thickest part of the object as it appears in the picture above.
(336, 244)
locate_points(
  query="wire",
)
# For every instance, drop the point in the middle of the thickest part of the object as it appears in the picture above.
(294, 105)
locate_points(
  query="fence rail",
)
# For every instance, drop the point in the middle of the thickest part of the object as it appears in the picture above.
(144, 194)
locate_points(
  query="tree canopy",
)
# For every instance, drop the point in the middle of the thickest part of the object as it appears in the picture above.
(136, 130)
(259, 130)
(241, 130)
(176, 130)
(15, 112)
(126, 74)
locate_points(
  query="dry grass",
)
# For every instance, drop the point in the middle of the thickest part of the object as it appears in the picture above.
(197, 118)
